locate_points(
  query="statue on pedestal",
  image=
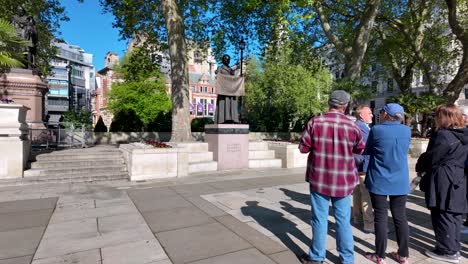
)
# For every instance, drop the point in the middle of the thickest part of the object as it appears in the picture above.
(26, 29)
(229, 86)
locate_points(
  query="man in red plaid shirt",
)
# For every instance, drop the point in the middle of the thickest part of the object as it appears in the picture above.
(331, 139)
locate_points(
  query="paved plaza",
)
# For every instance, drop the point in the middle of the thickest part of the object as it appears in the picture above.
(249, 216)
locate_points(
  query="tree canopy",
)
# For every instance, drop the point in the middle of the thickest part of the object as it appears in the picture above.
(48, 14)
(142, 94)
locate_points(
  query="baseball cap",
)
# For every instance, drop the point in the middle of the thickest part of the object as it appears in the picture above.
(339, 97)
(393, 109)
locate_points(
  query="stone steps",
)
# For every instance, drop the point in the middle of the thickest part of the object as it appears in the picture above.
(95, 177)
(77, 163)
(74, 170)
(261, 157)
(100, 163)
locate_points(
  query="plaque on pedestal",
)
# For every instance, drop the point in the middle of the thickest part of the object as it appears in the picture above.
(229, 144)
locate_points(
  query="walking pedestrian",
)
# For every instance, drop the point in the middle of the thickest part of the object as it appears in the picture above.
(331, 139)
(362, 207)
(444, 183)
(388, 177)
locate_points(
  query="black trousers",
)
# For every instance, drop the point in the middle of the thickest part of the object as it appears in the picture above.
(398, 210)
(447, 230)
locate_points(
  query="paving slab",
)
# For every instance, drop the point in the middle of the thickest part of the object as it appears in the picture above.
(27, 205)
(207, 207)
(24, 219)
(253, 236)
(20, 242)
(169, 202)
(70, 214)
(181, 217)
(18, 260)
(200, 242)
(83, 257)
(248, 256)
(139, 252)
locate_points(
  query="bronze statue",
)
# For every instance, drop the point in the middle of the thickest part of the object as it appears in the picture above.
(26, 29)
(226, 104)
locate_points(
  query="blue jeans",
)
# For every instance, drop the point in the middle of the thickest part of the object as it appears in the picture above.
(344, 236)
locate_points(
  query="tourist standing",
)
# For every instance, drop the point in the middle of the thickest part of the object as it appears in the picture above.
(388, 177)
(331, 139)
(444, 183)
(362, 207)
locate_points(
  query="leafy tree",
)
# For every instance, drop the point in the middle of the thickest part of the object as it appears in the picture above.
(281, 94)
(126, 120)
(9, 43)
(143, 91)
(166, 24)
(100, 126)
(145, 98)
(348, 26)
(48, 14)
(458, 21)
(198, 124)
(79, 118)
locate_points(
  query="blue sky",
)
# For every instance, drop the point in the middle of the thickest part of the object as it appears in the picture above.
(92, 30)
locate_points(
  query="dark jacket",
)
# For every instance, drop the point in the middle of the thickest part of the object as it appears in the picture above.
(362, 161)
(444, 183)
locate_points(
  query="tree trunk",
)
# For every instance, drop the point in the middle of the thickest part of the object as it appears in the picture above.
(454, 88)
(357, 49)
(179, 72)
(404, 82)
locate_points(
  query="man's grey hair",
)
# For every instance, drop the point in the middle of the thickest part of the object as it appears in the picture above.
(337, 106)
(397, 117)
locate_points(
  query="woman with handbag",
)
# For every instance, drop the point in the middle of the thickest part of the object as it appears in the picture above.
(444, 183)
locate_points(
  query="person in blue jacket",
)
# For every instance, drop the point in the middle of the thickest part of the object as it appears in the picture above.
(388, 177)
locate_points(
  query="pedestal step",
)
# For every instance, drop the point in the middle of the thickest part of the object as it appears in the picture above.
(261, 154)
(203, 166)
(200, 156)
(264, 163)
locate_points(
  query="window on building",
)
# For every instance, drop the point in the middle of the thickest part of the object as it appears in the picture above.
(204, 89)
(205, 106)
(466, 93)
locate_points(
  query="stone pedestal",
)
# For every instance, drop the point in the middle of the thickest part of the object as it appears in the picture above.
(14, 141)
(229, 144)
(27, 89)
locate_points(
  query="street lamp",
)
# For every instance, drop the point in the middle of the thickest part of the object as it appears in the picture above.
(241, 47)
(70, 88)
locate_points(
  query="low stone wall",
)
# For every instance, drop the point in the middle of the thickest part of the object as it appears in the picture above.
(145, 162)
(417, 147)
(289, 154)
(129, 137)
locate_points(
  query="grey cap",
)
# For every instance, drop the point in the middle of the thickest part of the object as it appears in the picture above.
(339, 97)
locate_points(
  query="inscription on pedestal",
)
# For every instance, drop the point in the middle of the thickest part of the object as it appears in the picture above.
(233, 148)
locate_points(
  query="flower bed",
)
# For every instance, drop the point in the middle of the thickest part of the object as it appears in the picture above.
(158, 144)
(145, 162)
(289, 154)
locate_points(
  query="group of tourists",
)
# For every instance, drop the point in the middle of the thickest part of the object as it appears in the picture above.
(348, 157)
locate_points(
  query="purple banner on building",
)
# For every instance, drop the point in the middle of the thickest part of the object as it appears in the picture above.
(191, 108)
(199, 107)
(210, 108)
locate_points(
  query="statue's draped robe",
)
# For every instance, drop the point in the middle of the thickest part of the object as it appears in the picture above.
(226, 105)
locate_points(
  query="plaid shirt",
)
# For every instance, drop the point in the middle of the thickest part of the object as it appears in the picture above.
(331, 139)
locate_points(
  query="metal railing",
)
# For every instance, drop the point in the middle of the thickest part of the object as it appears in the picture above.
(60, 135)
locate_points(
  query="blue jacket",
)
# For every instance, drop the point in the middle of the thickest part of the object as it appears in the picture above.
(388, 146)
(362, 161)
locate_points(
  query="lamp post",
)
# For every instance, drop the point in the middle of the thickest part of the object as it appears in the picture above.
(70, 87)
(241, 47)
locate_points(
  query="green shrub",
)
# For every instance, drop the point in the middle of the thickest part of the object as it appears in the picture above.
(198, 124)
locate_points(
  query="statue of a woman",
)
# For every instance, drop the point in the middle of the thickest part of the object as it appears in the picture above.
(226, 106)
